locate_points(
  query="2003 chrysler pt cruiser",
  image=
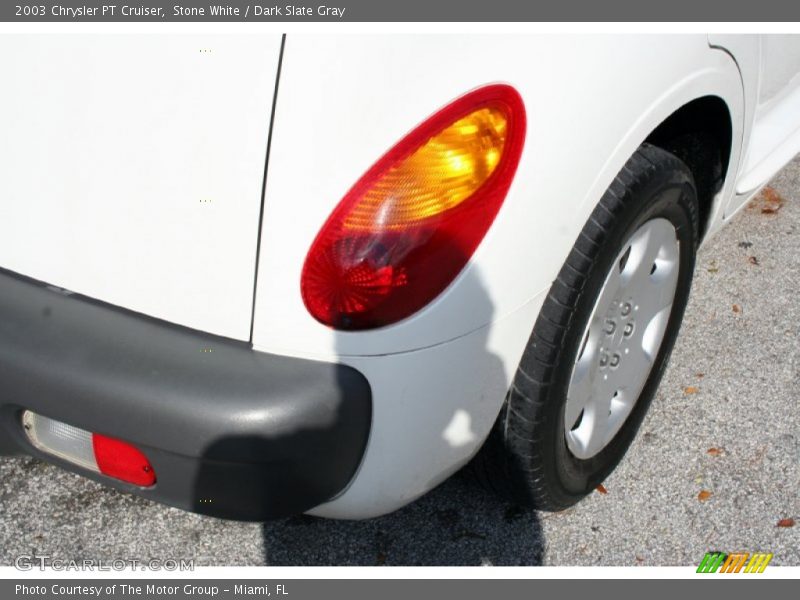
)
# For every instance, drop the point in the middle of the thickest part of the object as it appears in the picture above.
(251, 275)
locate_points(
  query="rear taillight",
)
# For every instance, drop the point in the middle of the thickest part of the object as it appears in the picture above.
(92, 451)
(406, 229)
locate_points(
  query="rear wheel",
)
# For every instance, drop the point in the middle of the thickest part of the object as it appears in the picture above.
(601, 341)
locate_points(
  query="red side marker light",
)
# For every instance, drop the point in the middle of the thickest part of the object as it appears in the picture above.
(88, 450)
(122, 461)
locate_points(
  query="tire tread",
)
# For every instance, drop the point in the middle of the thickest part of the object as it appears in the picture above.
(511, 462)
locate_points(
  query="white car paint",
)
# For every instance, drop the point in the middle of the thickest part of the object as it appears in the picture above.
(325, 136)
(770, 69)
(439, 377)
(131, 169)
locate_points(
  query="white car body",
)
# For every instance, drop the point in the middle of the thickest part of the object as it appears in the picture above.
(133, 166)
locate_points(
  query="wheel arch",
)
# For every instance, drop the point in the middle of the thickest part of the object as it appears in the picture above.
(700, 133)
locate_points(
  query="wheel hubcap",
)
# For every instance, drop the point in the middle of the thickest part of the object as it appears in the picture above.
(622, 338)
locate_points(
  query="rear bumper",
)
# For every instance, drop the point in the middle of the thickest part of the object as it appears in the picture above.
(230, 432)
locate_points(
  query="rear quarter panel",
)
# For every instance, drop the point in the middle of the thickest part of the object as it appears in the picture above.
(344, 100)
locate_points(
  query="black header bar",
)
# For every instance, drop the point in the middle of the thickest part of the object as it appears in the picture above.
(402, 11)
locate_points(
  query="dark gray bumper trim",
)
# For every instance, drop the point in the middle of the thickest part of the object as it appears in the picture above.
(230, 432)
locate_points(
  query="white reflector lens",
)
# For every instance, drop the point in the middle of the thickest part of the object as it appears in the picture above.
(65, 441)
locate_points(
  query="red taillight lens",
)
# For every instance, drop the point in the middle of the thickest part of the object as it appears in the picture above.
(408, 227)
(122, 461)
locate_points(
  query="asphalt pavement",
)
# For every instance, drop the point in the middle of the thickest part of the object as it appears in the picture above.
(716, 464)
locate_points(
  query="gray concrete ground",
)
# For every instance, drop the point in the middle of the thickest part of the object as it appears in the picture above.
(724, 425)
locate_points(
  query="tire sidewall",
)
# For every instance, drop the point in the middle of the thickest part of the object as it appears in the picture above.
(668, 194)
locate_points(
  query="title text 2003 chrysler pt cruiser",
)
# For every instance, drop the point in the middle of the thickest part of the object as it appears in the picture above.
(251, 275)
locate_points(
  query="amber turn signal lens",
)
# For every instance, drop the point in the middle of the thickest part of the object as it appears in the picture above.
(408, 227)
(445, 171)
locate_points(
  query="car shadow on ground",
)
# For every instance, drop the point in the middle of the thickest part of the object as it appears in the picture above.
(458, 523)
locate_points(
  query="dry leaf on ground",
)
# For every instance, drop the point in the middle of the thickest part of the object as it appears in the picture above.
(769, 201)
(773, 201)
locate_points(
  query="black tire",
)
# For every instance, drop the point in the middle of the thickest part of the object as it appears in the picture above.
(526, 457)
